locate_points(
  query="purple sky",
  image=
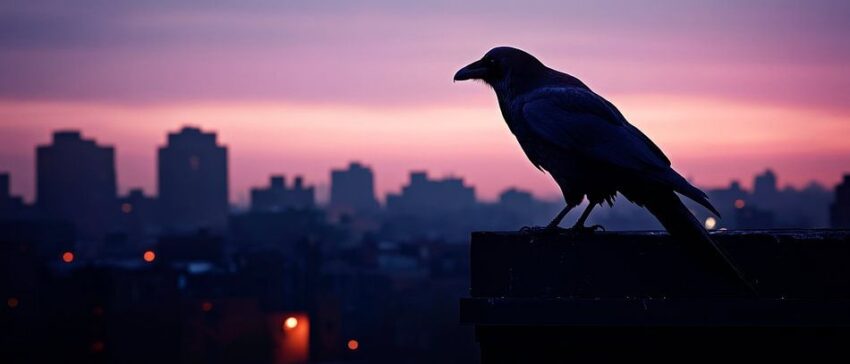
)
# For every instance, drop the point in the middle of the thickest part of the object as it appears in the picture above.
(726, 87)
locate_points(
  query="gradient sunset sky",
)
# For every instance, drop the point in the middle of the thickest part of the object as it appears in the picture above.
(726, 88)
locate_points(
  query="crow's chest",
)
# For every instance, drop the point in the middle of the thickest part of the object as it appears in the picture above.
(565, 165)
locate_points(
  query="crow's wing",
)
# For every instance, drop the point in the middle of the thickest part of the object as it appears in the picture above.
(582, 122)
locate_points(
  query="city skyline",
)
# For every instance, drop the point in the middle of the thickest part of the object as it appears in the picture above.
(322, 190)
(726, 90)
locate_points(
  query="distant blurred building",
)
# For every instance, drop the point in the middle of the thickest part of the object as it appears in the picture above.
(424, 196)
(765, 190)
(725, 199)
(76, 183)
(839, 211)
(277, 230)
(353, 188)
(10, 206)
(516, 199)
(752, 217)
(278, 196)
(138, 215)
(193, 181)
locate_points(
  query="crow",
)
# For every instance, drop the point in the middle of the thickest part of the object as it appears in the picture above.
(590, 149)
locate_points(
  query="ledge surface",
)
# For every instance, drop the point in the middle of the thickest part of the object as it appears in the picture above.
(784, 264)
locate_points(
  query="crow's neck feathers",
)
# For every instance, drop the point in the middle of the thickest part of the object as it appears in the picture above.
(514, 83)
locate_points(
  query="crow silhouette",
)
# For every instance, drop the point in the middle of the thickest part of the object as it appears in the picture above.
(589, 147)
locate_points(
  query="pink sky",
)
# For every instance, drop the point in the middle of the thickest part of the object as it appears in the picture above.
(725, 89)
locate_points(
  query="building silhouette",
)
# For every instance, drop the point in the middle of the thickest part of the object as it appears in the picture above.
(516, 199)
(193, 181)
(10, 206)
(768, 206)
(424, 196)
(765, 189)
(138, 216)
(75, 181)
(278, 196)
(839, 211)
(353, 188)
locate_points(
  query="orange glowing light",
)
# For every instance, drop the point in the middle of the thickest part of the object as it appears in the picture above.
(739, 204)
(12, 302)
(149, 256)
(67, 257)
(126, 208)
(207, 306)
(97, 346)
(290, 323)
(353, 344)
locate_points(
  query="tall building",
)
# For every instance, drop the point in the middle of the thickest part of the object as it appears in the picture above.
(839, 211)
(765, 190)
(279, 197)
(424, 196)
(353, 188)
(193, 181)
(76, 182)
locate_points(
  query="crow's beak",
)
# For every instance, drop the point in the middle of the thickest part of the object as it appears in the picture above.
(476, 70)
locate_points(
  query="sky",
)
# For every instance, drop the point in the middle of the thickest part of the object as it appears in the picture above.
(725, 88)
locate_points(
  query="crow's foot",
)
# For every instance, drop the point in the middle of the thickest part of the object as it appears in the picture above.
(543, 230)
(581, 229)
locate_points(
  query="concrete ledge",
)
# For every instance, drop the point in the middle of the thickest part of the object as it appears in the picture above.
(812, 264)
(643, 296)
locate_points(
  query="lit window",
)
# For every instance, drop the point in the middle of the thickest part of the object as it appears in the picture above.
(353, 344)
(67, 257)
(739, 203)
(149, 256)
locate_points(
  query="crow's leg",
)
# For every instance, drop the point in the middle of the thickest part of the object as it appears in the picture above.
(553, 226)
(579, 225)
(560, 216)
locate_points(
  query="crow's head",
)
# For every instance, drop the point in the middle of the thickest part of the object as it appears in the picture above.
(501, 65)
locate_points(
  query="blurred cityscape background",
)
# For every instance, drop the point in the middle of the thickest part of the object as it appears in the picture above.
(321, 208)
(184, 276)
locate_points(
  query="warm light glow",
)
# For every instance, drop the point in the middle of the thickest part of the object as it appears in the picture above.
(207, 306)
(739, 204)
(97, 346)
(353, 344)
(149, 256)
(97, 311)
(12, 302)
(126, 208)
(710, 223)
(290, 323)
(67, 257)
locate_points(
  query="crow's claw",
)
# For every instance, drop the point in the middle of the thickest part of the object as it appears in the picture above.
(543, 230)
(587, 229)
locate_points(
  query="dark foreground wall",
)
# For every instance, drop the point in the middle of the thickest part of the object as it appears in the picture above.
(554, 298)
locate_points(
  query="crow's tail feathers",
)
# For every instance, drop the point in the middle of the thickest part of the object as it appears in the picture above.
(681, 224)
(681, 185)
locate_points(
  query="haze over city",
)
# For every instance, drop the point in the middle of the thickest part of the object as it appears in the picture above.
(725, 89)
